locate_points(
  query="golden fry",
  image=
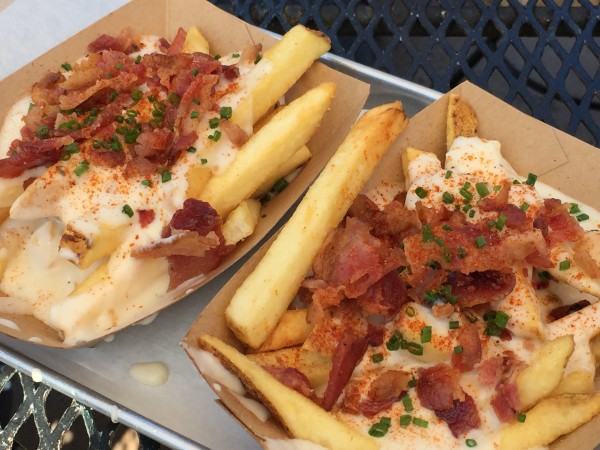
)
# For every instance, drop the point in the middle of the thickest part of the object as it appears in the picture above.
(461, 119)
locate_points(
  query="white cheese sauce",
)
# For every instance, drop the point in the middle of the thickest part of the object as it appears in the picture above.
(152, 373)
(46, 280)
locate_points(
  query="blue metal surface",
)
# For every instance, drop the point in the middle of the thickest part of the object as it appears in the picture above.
(541, 56)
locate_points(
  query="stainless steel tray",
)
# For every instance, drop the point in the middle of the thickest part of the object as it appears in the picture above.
(182, 413)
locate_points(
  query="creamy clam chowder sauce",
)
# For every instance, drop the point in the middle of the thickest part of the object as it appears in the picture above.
(42, 278)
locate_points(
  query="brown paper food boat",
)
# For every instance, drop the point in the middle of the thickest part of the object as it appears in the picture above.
(559, 160)
(225, 34)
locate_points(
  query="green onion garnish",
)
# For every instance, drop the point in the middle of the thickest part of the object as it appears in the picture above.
(215, 136)
(113, 96)
(531, 179)
(174, 98)
(191, 149)
(524, 206)
(574, 209)
(257, 59)
(43, 131)
(471, 443)
(500, 222)
(377, 357)
(146, 183)
(225, 112)
(410, 311)
(394, 342)
(137, 95)
(521, 417)
(426, 233)
(582, 217)
(405, 420)
(127, 210)
(415, 349)
(165, 176)
(280, 185)
(480, 241)
(425, 334)
(195, 72)
(482, 189)
(235, 55)
(461, 252)
(138, 59)
(203, 161)
(194, 115)
(213, 123)
(501, 319)
(81, 168)
(448, 174)
(67, 67)
(407, 402)
(453, 325)
(420, 422)
(118, 66)
(421, 192)
(447, 198)
(458, 349)
(564, 265)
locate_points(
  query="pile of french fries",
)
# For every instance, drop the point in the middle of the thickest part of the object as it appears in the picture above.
(556, 388)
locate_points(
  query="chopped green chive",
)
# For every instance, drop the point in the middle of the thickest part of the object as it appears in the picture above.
(426, 233)
(501, 319)
(465, 192)
(195, 101)
(43, 131)
(174, 98)
(191, 149)
(380, 428)
(165, 176)
(137, 95)
(377, 357)
(453, 325)
(421, 192)
(420, 422)
(410, 311)
(393, 342)
(215, 136)
(425, 335)
(467, 207)
(500, 222)
(447, 198)
(67, 67)
(544, 275)
(524, 206)
(482, 189)
(461, 252)
(147, 183)
(531, 179)
(574, 209)
(257, 59)
(471, 443)
(472, 213)
(280, 185)
(498, 187)
(138, 59)
(217, 57)
(447, 227)
(235, 55)
(81, 168)
(415, 349)
(439, 241)
(194, 115)
(582, 217)
(564, 265)
(118, 66)
(195, 72)
(203, 161)
(458, 349)
(480, 242)
(127, 210)
(434, 265)
(448, 174)
(225, 112)
(113, 96)
(521, 417)
(31, 105)
(405, 420)
(213, 123)
(407, 402)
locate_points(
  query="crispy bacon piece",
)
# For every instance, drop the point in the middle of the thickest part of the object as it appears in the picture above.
(385, 297)
(152, 142)
(121, 43)
(565, 310)
(468, 339)
(352, 259)
(46, 91)
(506, 402)
(294, 379)
(462, 417)
(346, 356)
(334, 324)
(187, 243)
(234, 132)
(432, 216)
(587, 254)
(438, 387)
(391, 384)
(198, 97)
(33, 154)
(375, 335)
(176, 46)
(481, 287)
(556, 223)
(146, 217)
(515, 217)
(139, 166)
(539, 259)
(196, 215)
(106, 157)
(496, 202)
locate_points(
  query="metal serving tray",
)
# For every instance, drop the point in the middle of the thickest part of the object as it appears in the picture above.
(181, 414)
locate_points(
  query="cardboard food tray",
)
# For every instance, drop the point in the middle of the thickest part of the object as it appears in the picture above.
(528, 144)
(226, 34)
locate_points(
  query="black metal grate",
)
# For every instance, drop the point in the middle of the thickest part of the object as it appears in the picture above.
(540, 56)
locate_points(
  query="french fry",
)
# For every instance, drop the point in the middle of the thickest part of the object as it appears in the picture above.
(461, 119)
(291, 330)
(576, 382)
(197, 177)
(316, 367)
(241, 222)
(299, 416)
(102, 244)
(574, 275)
(288, 166)
(276, 142)
(195, 42)
(545, 371)
(550, 419)
(264, 296)
(285, 65)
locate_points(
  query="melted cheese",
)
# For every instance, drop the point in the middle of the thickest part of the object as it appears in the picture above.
(44, 280)
(154, 373)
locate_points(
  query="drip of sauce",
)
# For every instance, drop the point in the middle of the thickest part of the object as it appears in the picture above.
(154, 373)
(37, 376)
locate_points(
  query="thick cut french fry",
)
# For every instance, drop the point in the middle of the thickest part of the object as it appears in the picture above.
(461, 119)
(316, 367)
(300, 417)
(241, 222)
(544, 373)
(549, 419)
(576, 382)
(197, 177)
(195, 42)
(276, 142)
(289, 165)
(287, 61)
(264, 296)
(291, 330)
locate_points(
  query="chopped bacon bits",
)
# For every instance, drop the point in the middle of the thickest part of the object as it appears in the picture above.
(294, 379)
(565, 310)
(146, 217)
(462, 417)
(437, 387)
(468, 339)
